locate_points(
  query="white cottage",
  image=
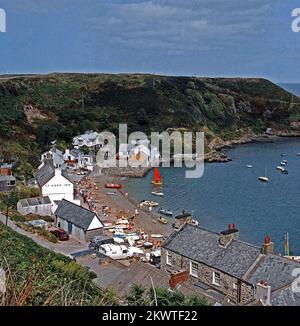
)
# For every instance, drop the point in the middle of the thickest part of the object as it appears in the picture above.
(53, 182)
(54, 156)
(89, 139)
(78, 221)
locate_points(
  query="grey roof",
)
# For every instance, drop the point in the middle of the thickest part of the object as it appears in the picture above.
(7, 178)
(43, 175)
(75, 214)
(203, 246)
(285, 297)
(276, 270)
(35, 201)
(76, 152)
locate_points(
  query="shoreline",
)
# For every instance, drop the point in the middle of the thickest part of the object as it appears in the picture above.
(217, 155)
(124, 206)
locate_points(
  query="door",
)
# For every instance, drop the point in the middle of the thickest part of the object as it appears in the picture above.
(70, 228)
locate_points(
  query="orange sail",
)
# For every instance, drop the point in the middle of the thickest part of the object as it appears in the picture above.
(157, 180)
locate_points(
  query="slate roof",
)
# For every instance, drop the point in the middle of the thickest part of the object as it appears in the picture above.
(285, 297)
(75, 214)
(35, 201)
(276, 270)
(6, 166)
(44, 174)
(203, 246)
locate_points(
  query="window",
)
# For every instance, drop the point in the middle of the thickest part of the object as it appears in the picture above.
(216, 278)
(169, 259)
(194, 269)
(234, 286)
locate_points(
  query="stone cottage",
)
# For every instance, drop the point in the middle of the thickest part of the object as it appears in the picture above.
(234, 271)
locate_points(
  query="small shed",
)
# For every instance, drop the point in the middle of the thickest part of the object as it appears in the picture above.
(78, 221)
(39, 206)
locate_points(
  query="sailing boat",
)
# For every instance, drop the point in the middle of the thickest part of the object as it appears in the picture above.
(265, 178)
(157, 180)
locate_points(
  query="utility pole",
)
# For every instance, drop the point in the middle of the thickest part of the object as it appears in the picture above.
(7, 208)
(82, 101)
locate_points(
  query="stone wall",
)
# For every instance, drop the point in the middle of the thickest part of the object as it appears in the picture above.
(237, 291)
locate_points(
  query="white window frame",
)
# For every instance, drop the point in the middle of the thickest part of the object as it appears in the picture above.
(169, 259)
(214, 282)
(191, 269)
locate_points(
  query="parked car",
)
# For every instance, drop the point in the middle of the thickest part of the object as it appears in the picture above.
(60, 234)
(99, 240)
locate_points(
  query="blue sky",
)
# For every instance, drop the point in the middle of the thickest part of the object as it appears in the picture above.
(174, 37)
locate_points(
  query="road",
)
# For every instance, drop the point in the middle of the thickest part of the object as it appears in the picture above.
(65, 248)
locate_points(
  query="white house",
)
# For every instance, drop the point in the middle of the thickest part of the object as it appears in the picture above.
(53, 156)
(78, 221)
(139, 153)
(89, 139)
(52, 182)
(40, 205)
(76, 159)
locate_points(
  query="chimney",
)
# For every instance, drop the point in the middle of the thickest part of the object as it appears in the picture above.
(228, 235)
(263, 293)
(268, 246)
(57, 171)
(177, 278)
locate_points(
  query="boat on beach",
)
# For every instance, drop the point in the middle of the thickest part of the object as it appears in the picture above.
(157, 179)
(165, 212)
(156, 236)
(150, 203)
(162, 220)
(113, 186)
(112, 193)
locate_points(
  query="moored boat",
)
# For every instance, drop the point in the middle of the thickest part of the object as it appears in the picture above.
(263, 179)
(249, 166)
(157, 179)
(156, 193)
(280, 168)
(165, 212)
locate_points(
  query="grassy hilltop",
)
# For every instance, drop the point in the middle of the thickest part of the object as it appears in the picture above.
(34, 110)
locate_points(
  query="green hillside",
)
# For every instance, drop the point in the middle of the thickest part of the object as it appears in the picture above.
(37, 109)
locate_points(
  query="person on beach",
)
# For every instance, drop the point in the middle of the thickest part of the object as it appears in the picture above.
(136, 212)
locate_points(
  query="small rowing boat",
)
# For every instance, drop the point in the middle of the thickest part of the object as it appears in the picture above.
(156, 193)
(157, 236)
(165, 212)
(150, 203)
(162, 220)
(113, 186)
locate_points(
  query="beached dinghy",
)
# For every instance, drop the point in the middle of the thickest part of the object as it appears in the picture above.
(113, 186)
(162, 220)
(150, 203)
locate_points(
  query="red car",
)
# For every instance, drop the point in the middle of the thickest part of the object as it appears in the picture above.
(60, 234)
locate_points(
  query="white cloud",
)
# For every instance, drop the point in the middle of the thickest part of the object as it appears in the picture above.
(181, 25)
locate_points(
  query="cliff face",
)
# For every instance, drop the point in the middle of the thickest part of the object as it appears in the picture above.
(37, 109)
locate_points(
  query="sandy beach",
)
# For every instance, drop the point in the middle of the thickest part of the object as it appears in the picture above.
(122, 205)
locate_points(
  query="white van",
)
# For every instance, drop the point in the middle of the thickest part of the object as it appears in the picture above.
(115, 251)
